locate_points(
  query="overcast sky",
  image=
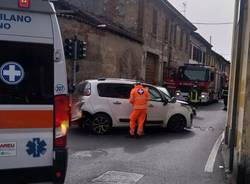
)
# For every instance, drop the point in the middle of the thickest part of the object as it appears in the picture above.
(211, 11)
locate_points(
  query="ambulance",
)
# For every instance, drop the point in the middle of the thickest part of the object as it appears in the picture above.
(34, 100)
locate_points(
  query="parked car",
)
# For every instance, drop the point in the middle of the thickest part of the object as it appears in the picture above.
(104, 104)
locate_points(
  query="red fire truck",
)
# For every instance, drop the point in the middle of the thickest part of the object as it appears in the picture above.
(194, 83)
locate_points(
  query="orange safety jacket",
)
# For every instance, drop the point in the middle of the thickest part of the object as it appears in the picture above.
(139, 97)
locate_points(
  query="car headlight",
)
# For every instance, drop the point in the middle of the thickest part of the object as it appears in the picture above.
(178, 93)
(203, 96)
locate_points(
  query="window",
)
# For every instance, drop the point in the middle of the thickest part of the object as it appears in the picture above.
(181, 39)
(187, 42)
(113, 90)
(204, 58)
(166, 30)
(37, 61)
(212, 77)
(154, 95)
(155, 22)
(83, 89)
(120, 8)
(174, 34)
(197, 54)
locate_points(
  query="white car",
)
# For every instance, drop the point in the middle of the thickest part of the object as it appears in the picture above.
(104, 104)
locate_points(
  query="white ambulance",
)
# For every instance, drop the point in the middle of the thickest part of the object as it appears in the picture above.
(34, 103)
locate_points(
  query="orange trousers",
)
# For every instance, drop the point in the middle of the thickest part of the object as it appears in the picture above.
(140, 116)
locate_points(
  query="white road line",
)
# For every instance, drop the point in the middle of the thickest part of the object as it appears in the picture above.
(212, 157)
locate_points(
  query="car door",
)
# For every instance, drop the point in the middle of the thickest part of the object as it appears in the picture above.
(119, 104)
(156, 109)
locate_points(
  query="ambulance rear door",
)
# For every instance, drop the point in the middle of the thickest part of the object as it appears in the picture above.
(27, 86)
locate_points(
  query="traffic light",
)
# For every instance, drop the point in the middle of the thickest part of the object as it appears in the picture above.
(81, 49)
(69, 48)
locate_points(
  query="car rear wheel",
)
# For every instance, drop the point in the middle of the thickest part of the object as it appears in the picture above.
(101, 124)
(177, 123)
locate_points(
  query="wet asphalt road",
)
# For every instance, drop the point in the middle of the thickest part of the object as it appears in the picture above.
(160, 157)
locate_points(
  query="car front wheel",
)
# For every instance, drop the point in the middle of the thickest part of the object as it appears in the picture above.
(177, 123)
(101, 124)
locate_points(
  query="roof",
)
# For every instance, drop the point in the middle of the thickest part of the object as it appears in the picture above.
(67, 10)
(200, 38)
(173, 10)
(220, 57)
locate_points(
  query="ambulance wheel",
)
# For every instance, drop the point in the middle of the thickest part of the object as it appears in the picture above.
(101, 124)
(177, 123)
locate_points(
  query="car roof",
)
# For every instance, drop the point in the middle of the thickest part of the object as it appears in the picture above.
(111, 80)
(116, 81)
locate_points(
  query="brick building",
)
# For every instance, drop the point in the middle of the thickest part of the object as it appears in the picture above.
(111, 50)
(166, 37)
(164, 32)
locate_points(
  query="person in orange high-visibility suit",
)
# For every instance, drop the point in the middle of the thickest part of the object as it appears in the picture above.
(139, 99)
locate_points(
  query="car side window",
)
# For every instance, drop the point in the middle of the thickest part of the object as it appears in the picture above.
(154, 95)
(80, 89)
(113, 90)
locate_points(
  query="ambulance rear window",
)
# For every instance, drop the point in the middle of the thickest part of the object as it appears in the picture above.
(26, 73)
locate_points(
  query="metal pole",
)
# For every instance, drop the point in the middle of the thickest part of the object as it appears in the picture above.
(75, 59)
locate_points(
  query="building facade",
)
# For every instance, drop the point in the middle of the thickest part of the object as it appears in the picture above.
(200, 50)
(165, 33)
(112, 52)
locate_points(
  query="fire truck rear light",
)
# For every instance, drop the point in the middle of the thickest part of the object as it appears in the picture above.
(23, 3)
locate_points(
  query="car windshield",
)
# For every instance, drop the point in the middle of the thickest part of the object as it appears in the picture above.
(193, 74)
(165, 92)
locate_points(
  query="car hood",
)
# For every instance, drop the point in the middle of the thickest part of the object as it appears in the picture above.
(182, 102)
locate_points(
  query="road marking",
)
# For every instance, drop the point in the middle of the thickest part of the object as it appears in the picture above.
(117, 177)
(212, 157)
(88, 154)
(82, 154)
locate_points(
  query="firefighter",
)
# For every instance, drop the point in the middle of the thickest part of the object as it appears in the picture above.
(194, 94)
(225, 95)
(139, 99)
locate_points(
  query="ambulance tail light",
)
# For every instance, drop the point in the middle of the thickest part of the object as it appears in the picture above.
(62, 115)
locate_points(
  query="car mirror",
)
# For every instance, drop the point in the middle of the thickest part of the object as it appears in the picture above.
(173, 100)
(165, 102)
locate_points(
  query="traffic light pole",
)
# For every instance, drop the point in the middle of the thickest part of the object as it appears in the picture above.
(74, 50)
(75, 60)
